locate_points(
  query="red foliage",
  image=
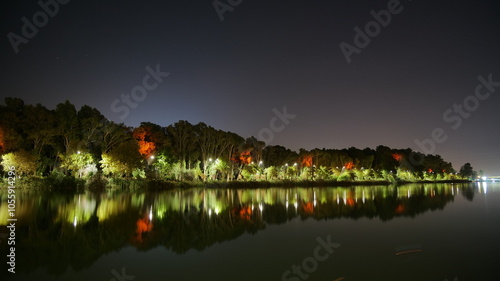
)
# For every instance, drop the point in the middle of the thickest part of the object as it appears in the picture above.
(143, 225)
(246, 213)
(308, 207)
(349, 165)
(307, 161)
(350, 202)
(145, 147)
(400, 209)
(245, 158)
(397, 157)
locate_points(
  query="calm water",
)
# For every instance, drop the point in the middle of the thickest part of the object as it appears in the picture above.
(411, 232)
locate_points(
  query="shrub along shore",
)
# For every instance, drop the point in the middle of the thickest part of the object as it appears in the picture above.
(70, 148)
(62, 183)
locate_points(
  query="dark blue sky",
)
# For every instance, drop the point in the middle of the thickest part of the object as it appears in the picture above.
(230, 74)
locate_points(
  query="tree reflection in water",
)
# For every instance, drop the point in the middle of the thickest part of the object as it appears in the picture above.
(57, 231)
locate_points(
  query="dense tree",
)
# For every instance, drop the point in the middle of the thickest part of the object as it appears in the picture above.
(150, 137)
(12, 124)
(67, 127)
(23, 161)
(91, 123)
(183, 142)
(40, 127)
(83, 140)
(122, 160)
(80, 164)
(277, 155)
(112, 135)
(466, 171)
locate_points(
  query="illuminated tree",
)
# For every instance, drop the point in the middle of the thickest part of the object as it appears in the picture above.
(122, 160)
(79, 163)
(255, 147)
(212, 144)
(23, 161)
(182, 138)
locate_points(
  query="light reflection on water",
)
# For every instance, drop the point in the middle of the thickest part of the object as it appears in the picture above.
(83, 235)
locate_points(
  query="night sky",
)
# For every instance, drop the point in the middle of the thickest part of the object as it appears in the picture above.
(264, 55)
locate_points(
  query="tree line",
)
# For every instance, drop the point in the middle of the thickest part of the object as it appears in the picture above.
(83, 143)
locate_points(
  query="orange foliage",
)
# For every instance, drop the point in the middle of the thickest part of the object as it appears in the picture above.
(349, 165)
(350, 202)
(245, 213)
(145, 147)
(143, 225)
(430, 171)
(245, 157)
(307, 161)
(308, 207)
(400, 209)
(397, 156)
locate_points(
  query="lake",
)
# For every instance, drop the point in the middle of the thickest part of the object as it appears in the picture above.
(409, 232)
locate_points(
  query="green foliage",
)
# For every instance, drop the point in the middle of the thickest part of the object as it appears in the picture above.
(35, 139)
(57, 181)
(164, 166)
(271, 173)
(138, 173)
(25, 162)
(81, 164)
(249, 172)
(123, 160)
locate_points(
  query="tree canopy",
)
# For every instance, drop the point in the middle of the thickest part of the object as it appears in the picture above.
(83, 141)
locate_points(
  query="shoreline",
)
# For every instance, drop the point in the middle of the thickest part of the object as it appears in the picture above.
(99, 184)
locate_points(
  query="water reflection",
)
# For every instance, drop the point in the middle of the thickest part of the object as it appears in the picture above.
(81, 228)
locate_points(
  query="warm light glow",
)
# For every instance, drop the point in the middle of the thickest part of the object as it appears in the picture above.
(245, 157)
(349, 165)
(145, 147)
(397, 156)
(307, 161)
